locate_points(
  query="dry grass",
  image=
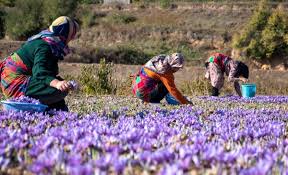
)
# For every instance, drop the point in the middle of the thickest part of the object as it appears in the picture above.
(191, 81)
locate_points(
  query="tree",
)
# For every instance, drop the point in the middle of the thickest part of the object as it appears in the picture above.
(249, 40)
(274, 36)
(55, 8)
(24, 19)
(2, 22)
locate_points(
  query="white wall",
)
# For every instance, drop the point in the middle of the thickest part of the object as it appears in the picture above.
(119, 1)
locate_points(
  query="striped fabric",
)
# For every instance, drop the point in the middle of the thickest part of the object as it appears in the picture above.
(14, 77)
(60, 32)
(146, 88)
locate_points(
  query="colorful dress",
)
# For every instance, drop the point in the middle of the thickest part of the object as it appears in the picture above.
(14, 77)
(218, 65)
(150, 86)
(29, 70)
(148, 89)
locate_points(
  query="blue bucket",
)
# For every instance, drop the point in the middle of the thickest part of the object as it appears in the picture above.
(20, 106)
(248, 90)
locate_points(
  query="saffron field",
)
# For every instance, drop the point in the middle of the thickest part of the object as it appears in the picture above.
(120, 135)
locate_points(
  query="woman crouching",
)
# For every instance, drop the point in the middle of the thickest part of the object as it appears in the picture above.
(32, 70)
(155, 79)
(219, 64)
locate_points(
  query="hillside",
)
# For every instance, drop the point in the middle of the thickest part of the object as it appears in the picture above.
(131, 34)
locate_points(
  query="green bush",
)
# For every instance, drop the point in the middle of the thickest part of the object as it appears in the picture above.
(125, 86)
(254, 27)
(123, 18)
(90, 1)
(24, 19)
(165, 3)
(2, 23)
(9, 3)
(121, 54)
(52, 9)
(97, 80)
(198, 86)
(188, 52)
(265, 35)
(87, 18)
(130, 55)
(273, 36)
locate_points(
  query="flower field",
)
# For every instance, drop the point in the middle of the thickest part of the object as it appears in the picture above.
(115, 135)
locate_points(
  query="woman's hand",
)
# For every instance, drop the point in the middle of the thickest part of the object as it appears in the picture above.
(244, 80)
(63, 86)
(60, 85)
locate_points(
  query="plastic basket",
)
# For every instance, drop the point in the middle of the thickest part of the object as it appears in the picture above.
(248, 90)
(20, 106)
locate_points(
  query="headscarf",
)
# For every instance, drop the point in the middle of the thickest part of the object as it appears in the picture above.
(164, 63)
(59, 33)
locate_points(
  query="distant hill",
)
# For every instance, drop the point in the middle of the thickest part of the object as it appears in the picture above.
(131, 34)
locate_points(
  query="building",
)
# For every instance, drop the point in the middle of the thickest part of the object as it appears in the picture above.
(117, 1)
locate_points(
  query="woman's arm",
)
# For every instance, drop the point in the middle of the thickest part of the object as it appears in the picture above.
(237, 88)
(45, 65)
(168, 81)
(233, 72)
(45, 68)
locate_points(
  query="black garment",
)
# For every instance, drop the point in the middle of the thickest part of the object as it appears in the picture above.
(161, 93)
(54, 101)
(215, 91)
(61, 105)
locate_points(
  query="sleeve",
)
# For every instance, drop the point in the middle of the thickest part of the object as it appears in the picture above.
(232, 72)
(168, 81)
(45, 67)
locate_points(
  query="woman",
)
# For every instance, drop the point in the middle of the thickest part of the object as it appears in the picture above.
(155, 79)
(32, 70)
(218, 64)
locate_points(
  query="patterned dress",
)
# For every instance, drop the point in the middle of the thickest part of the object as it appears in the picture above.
(218, 65)
(14, 76)
(147, 88)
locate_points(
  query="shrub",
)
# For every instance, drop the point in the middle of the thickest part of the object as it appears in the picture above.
(266, 34)
(198, 86)
(125, 87)
(121, 54)
(9, 3)
(104, 78)
(52, 9)
(273, 36)
(90, 1)
(123, 18)
(24, 19)
(97, 80)
(87, 18)
(87, 79)
(188, 52)
(130, 55)
(249, 39)
(2, 23)
(165, 3)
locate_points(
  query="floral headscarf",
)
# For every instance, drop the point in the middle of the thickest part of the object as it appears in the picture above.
(60, 32)
(163, 63)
